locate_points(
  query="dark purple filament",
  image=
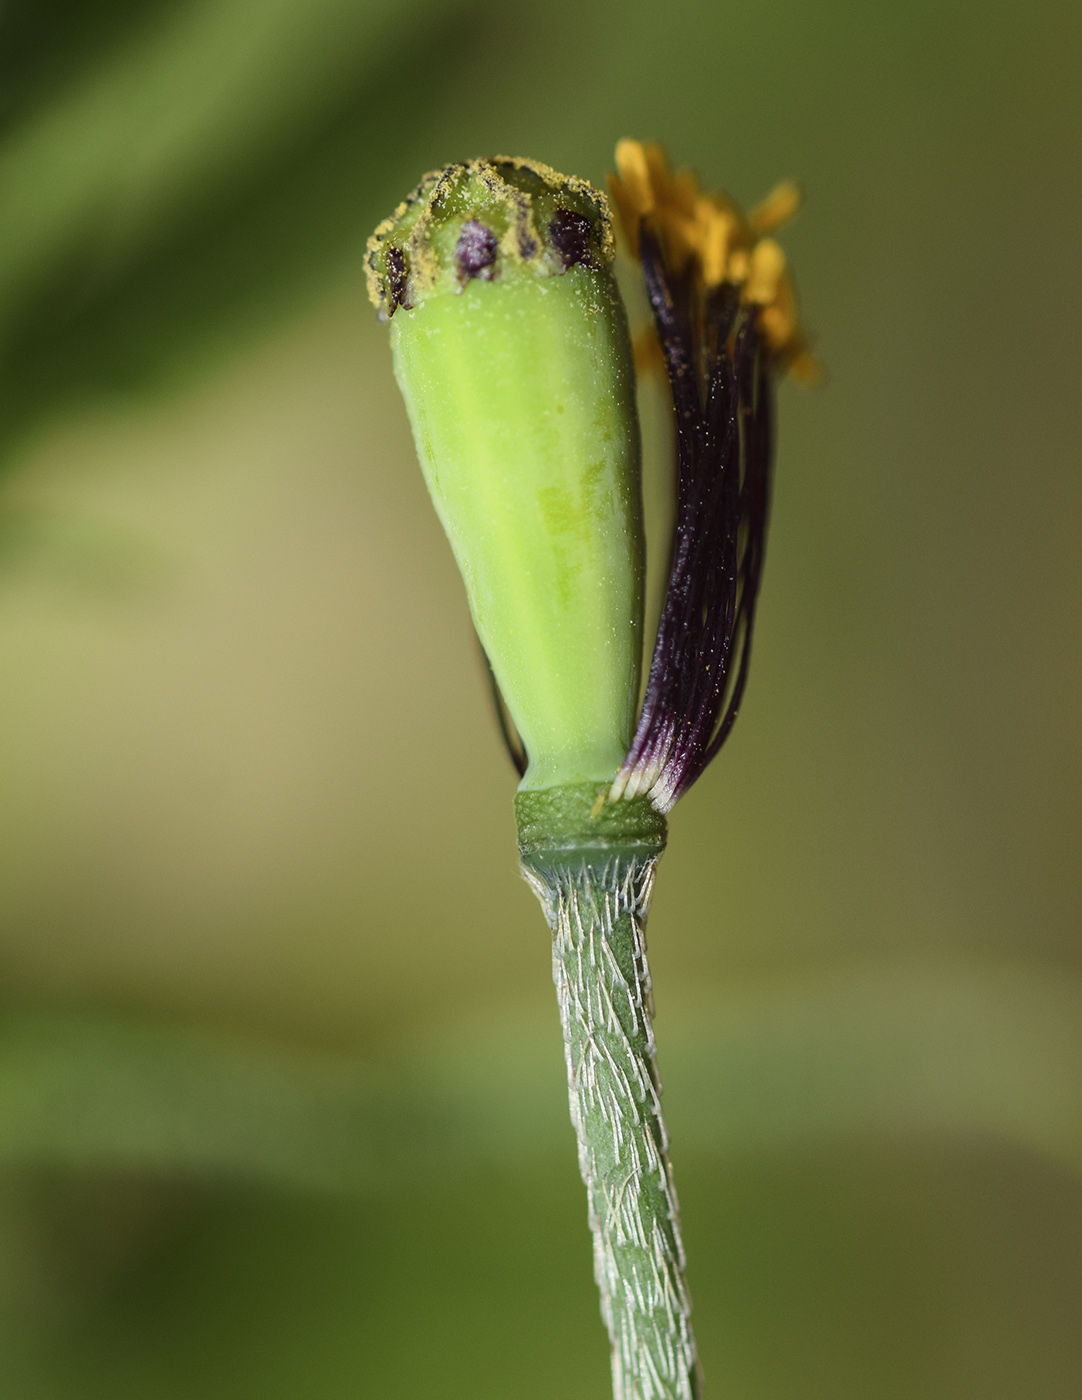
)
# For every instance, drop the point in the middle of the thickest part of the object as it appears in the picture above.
(723, 408)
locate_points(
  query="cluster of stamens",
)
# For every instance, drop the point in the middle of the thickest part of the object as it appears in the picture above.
(725, 324)
(708, 234)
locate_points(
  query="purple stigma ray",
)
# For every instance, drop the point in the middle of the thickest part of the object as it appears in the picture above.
(723, 410)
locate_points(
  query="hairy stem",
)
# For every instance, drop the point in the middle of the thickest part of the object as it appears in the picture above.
(596, 899)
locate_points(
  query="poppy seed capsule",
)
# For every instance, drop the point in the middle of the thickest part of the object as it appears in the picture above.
(511, 349)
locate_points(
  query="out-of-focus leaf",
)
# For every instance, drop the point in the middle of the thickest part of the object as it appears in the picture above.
(47, 44)
(907, 1050)
(209, 160)
(887, 1052)
(94, 555)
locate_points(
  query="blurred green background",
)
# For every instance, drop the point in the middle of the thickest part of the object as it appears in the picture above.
(282, 1106)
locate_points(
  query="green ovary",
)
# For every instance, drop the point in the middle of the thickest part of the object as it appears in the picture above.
(520, 393)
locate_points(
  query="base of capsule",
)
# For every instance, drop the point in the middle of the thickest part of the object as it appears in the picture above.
(571, 824)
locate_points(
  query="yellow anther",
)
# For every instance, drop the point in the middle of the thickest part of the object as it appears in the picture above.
(739, 266)
(778, 327)
(777, 208)
(718, 230)
(721, 243)
(684, 192)
(634, 175)
(657, 166)
(632, 189)
(767, 263)
(807, 368)
(778, 320)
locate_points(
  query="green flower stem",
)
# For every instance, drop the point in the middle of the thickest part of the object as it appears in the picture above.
(594, 877)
